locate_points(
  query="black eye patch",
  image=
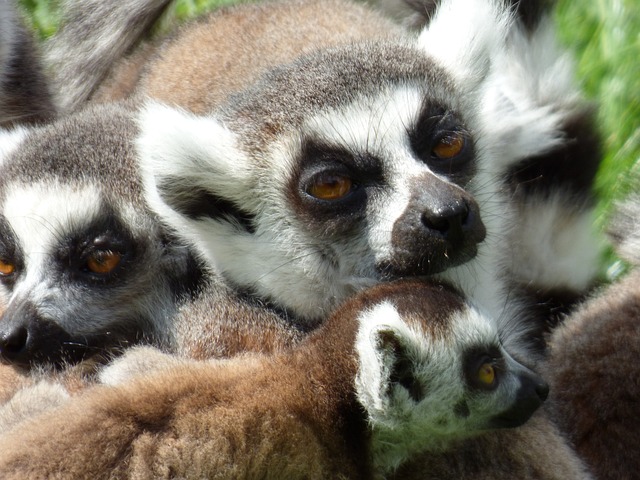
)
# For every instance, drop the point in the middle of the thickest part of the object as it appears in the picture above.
(332, 184)
(440, 140)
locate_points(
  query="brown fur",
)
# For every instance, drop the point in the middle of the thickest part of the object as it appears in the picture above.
(535, 451)
(292, 415)
(220, 323)
(595, 379)
(225, 51)
(289, 415)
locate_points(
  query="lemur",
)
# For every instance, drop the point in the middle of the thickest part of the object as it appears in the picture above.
(85, 265)
(401, 368)
(302, 258)
(25, 96)
(368, 161)
(593, 364)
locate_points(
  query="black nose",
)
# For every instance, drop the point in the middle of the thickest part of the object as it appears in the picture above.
(13, 344)
(451, 220)
(532, 393)
(26, 338)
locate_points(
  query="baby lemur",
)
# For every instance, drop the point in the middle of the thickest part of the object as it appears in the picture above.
(401, 368)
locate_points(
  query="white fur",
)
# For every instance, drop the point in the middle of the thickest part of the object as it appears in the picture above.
(463, 36)
(557, 247)
(10, 139)
(199, 151)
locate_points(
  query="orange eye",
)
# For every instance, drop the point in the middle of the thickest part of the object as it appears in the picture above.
(103, 261)
(486, 374)
(6, 268)
(449, 146)
(330, 187)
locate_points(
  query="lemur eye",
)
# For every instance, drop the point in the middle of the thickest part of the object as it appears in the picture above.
(486, 374)
(103, 261)
(449, 145)
(6, 267)
(329, 186)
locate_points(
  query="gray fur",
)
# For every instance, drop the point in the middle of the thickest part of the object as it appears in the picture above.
(93, 35)
(593, 363)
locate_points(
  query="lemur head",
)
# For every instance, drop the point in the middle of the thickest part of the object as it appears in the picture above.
(431, 370)
(349, 166)
(84, 264)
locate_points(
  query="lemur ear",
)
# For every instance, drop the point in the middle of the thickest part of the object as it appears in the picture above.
(190, 164)
(385, 362)
(463, 36)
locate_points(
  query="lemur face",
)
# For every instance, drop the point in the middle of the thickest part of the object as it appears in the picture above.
(84, 265)
(320, 179)
(431, 370)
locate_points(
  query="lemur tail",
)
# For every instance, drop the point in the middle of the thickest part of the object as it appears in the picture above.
(24, 90)
(93, 35)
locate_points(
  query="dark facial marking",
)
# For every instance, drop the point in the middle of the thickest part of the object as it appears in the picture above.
(105, 236)
(196, 203)
(461, 409)
(437, 126)
(10, 252)
(318, 163)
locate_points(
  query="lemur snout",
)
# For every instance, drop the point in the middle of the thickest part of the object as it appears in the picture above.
(26, 338)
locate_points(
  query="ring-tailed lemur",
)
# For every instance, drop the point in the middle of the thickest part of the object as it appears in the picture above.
(593, 364)
(24, 90)
(84, 264)
(374, 160)
(401, 368)
(527, 131)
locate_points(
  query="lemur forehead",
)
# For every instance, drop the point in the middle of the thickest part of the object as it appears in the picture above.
(331, 79)
(41, 214)
(94, 146)
(428, 307)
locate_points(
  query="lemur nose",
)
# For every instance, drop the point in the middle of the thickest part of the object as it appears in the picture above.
(542, 390)
(449, 220)
(13, 343)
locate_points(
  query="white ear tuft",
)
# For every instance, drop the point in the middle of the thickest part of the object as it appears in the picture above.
(464, 35)
(181, 154)
(174, 144)
(381, 330)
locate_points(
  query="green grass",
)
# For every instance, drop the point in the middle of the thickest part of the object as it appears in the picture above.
(605, 37)
(605, 34)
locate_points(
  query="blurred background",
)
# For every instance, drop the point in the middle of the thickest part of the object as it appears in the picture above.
(605, 38)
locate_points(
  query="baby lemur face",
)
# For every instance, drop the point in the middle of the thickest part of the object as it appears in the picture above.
(84, 265)
(432, 371)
